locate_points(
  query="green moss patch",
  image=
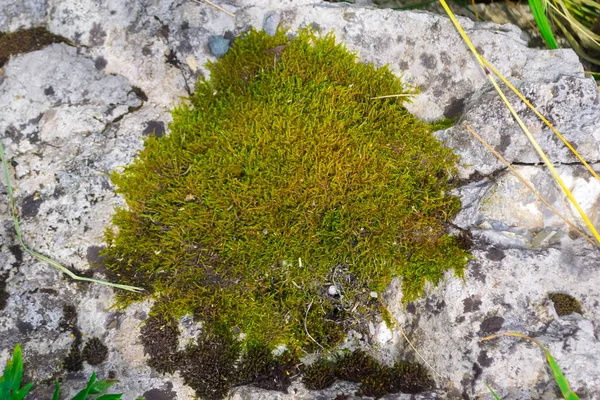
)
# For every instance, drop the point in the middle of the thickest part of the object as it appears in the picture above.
(565, 304)
(281, 169)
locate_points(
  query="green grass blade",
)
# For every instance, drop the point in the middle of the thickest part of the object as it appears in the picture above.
(11, 378)
(562, 382)
(539, 13)
(56, 391)
(37, 255)
(492, 391)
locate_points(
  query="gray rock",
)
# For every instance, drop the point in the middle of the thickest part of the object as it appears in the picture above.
(272, 20)
(71, 116)
(571, 103)
(219, 46)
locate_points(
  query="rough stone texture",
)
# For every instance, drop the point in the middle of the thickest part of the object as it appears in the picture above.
(71, 115)
(570, 102)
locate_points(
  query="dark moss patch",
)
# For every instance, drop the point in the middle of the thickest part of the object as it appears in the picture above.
(94, 352)
(73, 362)
(565, 304)
(210, 365)
(376, 385)
(356, 366)
(160, 338)
(282, 168)
(3, 293)
(260, 368)
(404, 377)
(410, 377)
(25, 41)
(319, 375)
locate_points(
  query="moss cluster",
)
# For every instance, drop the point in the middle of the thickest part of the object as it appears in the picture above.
(283, 167)
(94, 352)
(355, 366)
(565, 304)
(73, 362)
(319, 375)
(375, 379)
(25, 41)
(218, 361)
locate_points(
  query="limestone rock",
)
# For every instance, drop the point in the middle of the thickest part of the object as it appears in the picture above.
(71, 115)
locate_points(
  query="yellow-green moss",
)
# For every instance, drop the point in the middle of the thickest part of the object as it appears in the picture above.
(565, 304)
(282, 168)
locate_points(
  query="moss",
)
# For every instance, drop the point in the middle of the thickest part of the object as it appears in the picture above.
(376, 385)
(160, 338)
(410, 377)
(209, 367)
(73, 362)
(404, 377)
(356, 366)
(319, 375)
(260, 368)
(94, 352)
(565, 304)
(282, 168)
(25, 41)
(444, 123)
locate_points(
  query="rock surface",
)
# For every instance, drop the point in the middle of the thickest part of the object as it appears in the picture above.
(70, 115)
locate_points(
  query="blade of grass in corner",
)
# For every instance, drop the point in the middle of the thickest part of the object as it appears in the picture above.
(524, 128)
(64, 270)
(559, 377)
(492, 391)
(538, 9)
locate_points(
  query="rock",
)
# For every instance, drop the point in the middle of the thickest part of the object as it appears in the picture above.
(571, 103)
(74, 114)
(218, 45)
(272, 20)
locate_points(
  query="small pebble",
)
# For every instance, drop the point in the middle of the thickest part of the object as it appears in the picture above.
(218, 45)
(373, 295)
(332, 290)
(272, 20)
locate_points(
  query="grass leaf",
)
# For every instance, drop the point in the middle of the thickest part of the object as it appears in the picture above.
(493, 393)
(10, 381)
(538, 9)
(562, 382)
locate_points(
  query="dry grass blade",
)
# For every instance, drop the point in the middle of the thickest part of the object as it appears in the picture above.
(389, 96)
(539, 196)
(399, 327)
(540, 116)
(215, 6)
(41, 257)
(524, 128)
(577, 26)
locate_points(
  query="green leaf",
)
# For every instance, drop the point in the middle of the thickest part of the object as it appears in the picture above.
(538, 9)
(56, 391)
(84, 393)
(562, 382)
(110, 397)
(21, 393)
(12, 376)
(102, 386)
(493, 393)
